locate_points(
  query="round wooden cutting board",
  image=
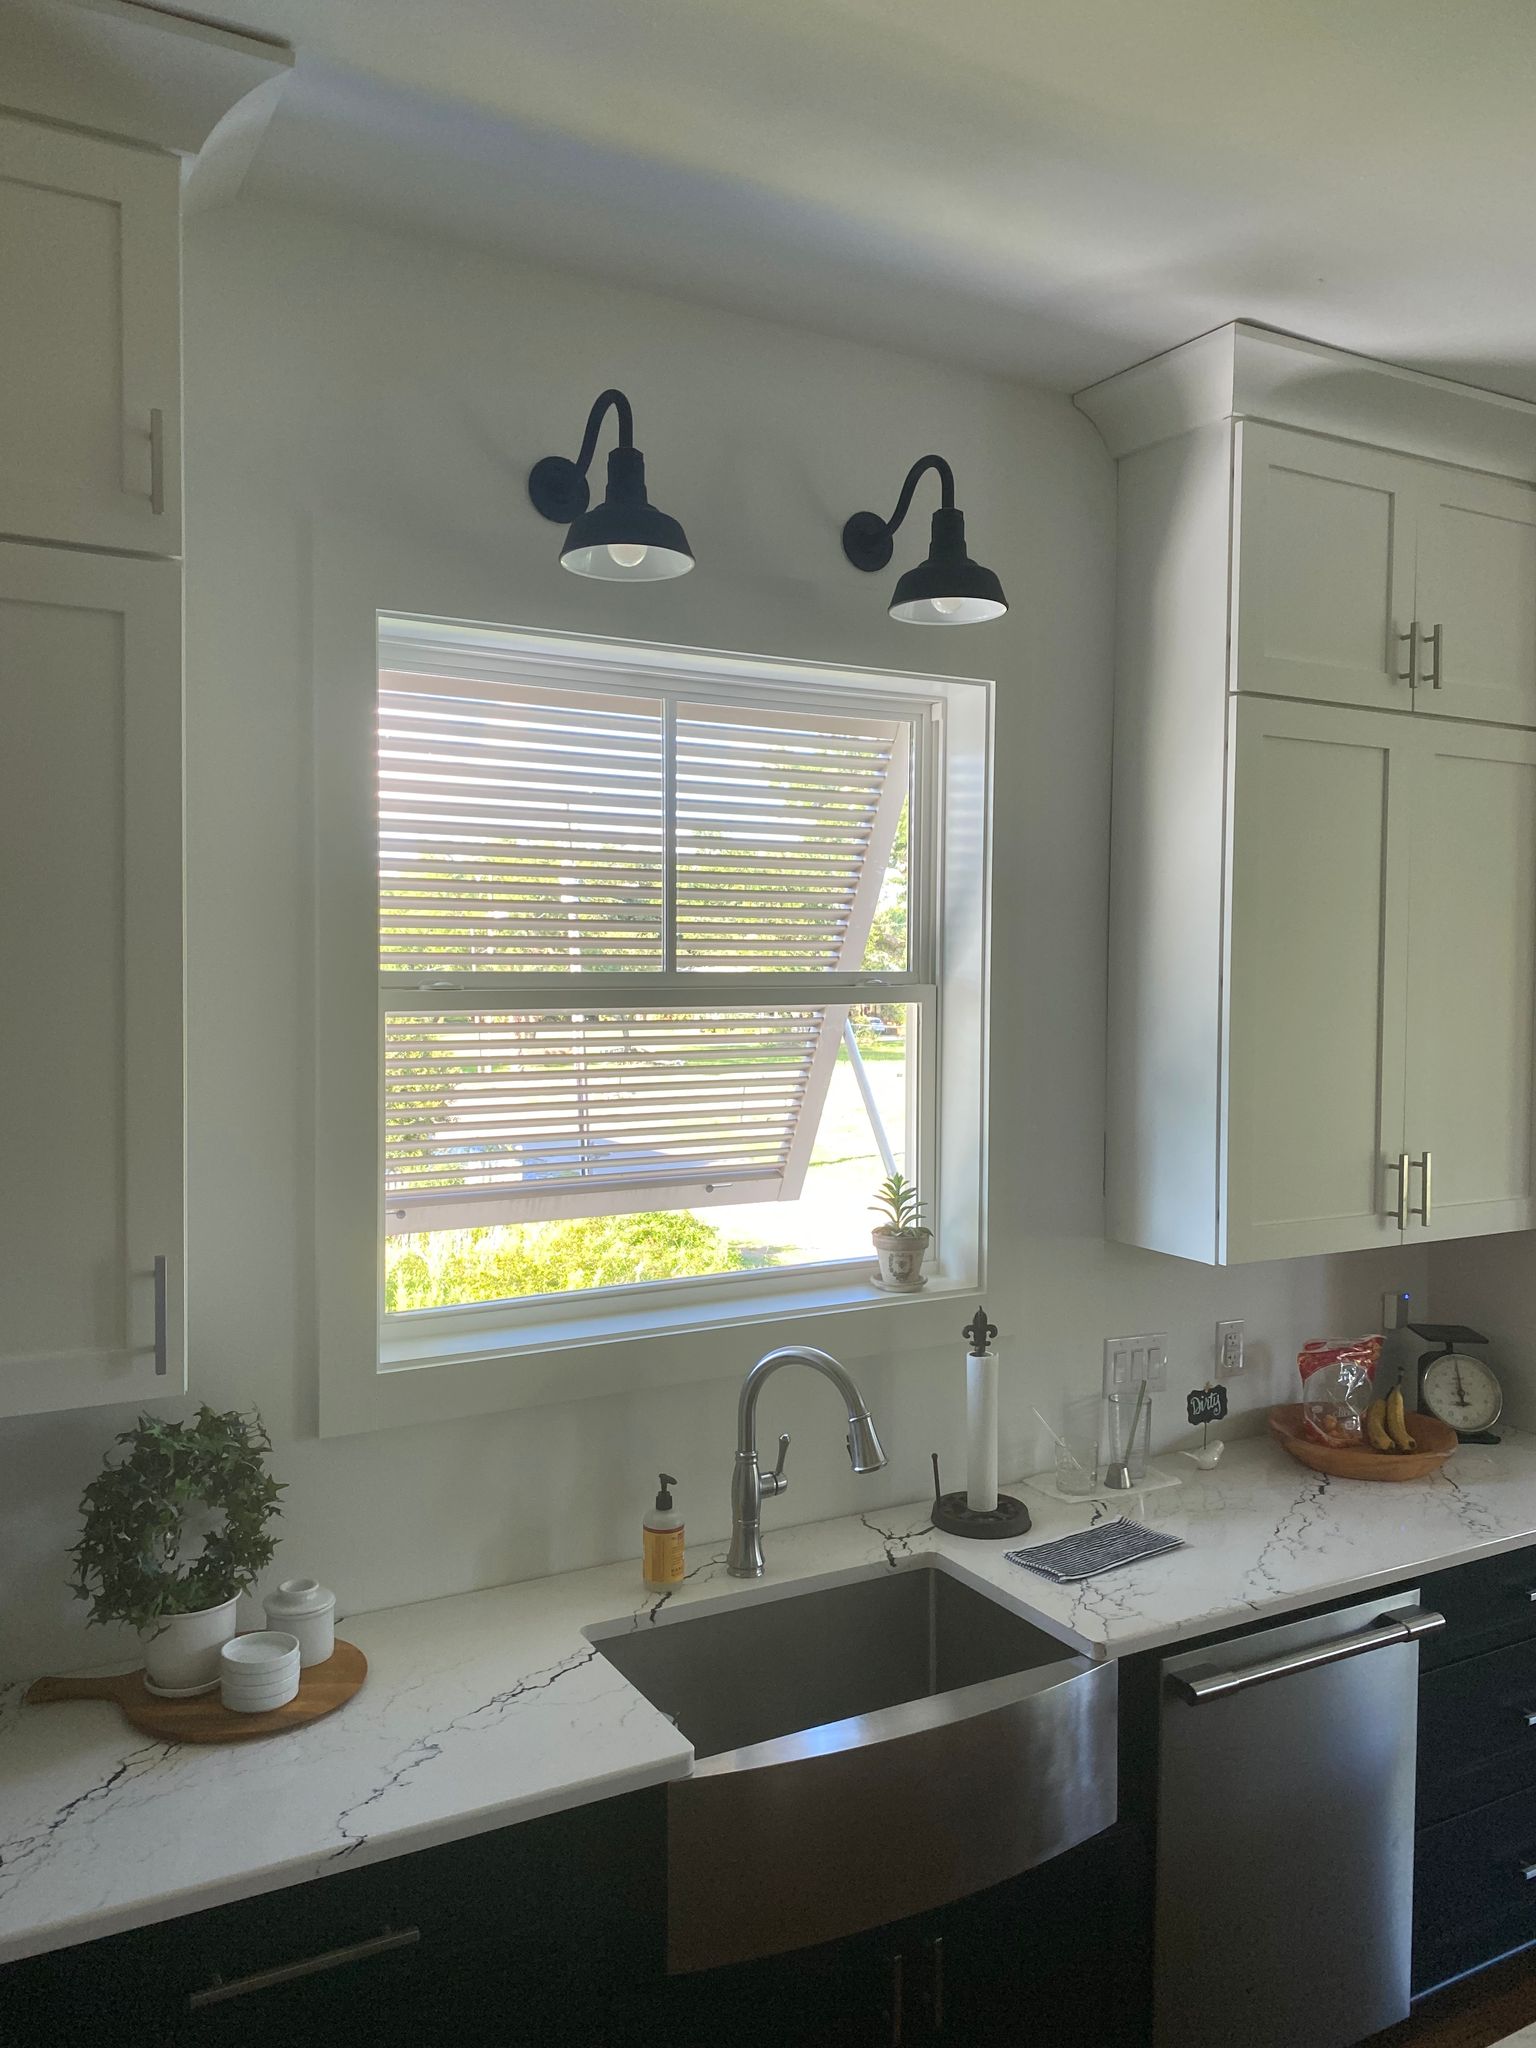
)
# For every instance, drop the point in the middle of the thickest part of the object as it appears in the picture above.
(322, 1689)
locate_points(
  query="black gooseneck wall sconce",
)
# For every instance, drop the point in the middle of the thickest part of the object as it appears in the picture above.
(625, 539)
(949, 589)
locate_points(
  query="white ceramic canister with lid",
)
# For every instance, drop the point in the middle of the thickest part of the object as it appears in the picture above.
(306, 1609)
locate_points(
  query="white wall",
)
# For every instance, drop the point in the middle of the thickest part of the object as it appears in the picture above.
(337, 375)
(1490, 1282)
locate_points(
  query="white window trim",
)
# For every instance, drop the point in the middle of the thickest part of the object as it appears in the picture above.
(436, 1365)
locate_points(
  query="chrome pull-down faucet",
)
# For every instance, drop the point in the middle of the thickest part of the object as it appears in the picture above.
(750, 1484)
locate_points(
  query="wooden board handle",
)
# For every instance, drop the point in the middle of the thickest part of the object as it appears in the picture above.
(43, 1691)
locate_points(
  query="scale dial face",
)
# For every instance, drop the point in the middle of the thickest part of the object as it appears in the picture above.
(1461, 1391)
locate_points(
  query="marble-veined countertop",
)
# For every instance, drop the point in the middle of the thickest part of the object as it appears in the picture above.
(493, 1707)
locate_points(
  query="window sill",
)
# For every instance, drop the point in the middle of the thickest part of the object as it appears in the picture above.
(436, 1373)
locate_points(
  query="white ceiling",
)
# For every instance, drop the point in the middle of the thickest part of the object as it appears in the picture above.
(1053, 188)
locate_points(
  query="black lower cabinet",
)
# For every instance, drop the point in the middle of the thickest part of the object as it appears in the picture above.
(553, 1932)
(532, 1934)
(1051, 1957)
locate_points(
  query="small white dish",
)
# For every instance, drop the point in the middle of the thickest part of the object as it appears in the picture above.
(263, 1653)
(265, 1702)
(259, 1672)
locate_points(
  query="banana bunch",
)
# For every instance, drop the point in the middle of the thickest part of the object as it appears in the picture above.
(1386, 1424)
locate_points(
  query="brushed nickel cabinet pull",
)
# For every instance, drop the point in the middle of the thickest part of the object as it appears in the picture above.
(156, 461)
(895, 1999)
(1399, 1166)
(219, 1992)
(1436, 638)
(1410, 674)
(1528, 1872)
(1423, 1212)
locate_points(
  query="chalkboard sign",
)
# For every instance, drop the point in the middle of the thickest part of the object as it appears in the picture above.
(1206, 1404)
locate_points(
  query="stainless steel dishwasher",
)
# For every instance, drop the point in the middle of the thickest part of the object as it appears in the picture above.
(1285, 1831)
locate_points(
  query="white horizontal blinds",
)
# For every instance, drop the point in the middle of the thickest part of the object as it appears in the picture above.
(785, 822)
(528, 1115)
(564, 824)
(520, 827)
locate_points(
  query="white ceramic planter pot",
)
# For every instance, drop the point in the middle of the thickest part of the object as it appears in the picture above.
(901, 1254)
(181, 1657)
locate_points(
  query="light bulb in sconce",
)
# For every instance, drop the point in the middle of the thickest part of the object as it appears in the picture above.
(946, 607)
(626, 556)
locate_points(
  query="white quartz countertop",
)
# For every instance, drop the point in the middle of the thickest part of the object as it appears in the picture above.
(493, 1707)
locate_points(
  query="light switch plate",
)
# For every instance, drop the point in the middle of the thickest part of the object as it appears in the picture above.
(1130, 1359)
(1229, 1350)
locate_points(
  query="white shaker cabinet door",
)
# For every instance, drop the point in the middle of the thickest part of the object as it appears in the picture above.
(1477, 592)
(1472, 980)
(1323, 568)
(91, 1280)
(1318, 906)
(90, 341)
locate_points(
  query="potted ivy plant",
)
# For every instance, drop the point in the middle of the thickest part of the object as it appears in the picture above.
(901, 1240)
(175, 1531)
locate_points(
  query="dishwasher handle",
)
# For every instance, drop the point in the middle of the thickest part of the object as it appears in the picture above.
(1404, 1627)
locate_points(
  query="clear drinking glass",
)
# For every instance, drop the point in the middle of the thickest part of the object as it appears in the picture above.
(1077, 1448)
(1130, 1436)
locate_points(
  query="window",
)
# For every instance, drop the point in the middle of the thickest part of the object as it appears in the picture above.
(655, 1002)
(634, 966)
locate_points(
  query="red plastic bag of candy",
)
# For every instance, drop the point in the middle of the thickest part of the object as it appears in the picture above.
(1336, 1390)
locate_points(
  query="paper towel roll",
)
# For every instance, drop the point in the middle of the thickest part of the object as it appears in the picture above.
(981, 1433)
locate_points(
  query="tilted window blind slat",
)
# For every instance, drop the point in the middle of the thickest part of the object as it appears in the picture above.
(542, 1114)
(776, 797)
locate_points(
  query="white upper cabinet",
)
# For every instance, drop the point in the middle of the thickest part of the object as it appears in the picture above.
(1361, 577)
(1322, 966)
(1323, 569)
(90, 419)
(91, 1279)
(1476, 596)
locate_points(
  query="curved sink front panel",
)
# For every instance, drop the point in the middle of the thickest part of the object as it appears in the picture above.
(865, 1751)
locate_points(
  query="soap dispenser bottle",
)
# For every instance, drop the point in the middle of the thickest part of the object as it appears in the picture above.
(662, 1549)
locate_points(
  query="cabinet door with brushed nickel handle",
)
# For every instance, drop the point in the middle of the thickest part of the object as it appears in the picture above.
(1325, 532)
(90, 400)
(1470, 1103)
(1476, 596)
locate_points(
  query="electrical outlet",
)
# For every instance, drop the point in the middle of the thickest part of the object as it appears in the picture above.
(1229, 1350)
(1396, 1308)
(1128, 1360)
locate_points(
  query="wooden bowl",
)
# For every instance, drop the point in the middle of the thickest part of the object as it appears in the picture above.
(1435, 1440)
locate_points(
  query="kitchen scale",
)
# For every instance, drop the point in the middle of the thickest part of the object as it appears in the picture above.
(1455, 1388)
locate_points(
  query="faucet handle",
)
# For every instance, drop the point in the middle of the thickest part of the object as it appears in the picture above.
(774, 1481)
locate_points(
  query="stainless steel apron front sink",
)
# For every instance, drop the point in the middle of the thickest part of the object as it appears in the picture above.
(864, 1750)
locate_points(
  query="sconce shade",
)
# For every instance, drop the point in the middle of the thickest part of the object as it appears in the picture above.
(949, 589)
(626, 539)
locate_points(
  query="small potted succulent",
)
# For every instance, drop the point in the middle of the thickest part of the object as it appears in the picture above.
(900, 1238)
(175, 1531)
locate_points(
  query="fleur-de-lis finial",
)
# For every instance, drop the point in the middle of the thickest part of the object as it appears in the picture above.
(979, 1333)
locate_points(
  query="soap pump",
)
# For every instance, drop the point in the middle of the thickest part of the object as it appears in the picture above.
(662, 1545)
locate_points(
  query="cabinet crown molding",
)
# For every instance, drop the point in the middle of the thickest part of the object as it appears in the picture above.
(136, 73)
(1247, 372)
